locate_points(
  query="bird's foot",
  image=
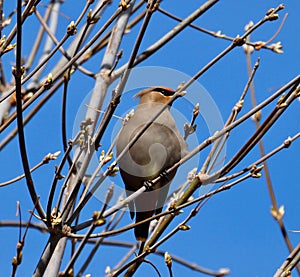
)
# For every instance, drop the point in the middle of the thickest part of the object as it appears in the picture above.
(164, 176)
(149, 185)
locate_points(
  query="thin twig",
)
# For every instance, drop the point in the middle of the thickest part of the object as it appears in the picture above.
(38, 39)
(97, 222)
(275, 207)
(287, 143)
(44, 161)
(167, 37)
(18, 75)
(219, 144)
(291, 262)
(109, 226)
(37, 226)
(218, 34)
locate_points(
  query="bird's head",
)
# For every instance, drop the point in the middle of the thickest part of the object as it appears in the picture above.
(157, 94)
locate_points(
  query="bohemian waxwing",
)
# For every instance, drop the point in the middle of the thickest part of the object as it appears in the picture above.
(157, 149)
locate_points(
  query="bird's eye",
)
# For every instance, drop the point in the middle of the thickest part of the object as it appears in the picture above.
(165, 91)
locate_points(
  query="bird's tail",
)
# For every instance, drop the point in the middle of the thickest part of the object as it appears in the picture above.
(141, 231)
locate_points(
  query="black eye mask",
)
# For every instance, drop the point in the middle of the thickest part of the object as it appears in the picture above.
(165, 91)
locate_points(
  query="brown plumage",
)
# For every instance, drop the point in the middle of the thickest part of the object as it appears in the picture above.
(157, 149)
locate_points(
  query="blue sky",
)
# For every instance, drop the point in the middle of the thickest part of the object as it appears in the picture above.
(234, 229)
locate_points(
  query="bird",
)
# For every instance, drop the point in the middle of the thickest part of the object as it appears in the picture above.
(157, 149)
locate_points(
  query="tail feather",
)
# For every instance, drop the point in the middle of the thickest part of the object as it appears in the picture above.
(141, 231)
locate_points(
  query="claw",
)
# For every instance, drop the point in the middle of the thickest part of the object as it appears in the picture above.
(149, 185)
(164, 176)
